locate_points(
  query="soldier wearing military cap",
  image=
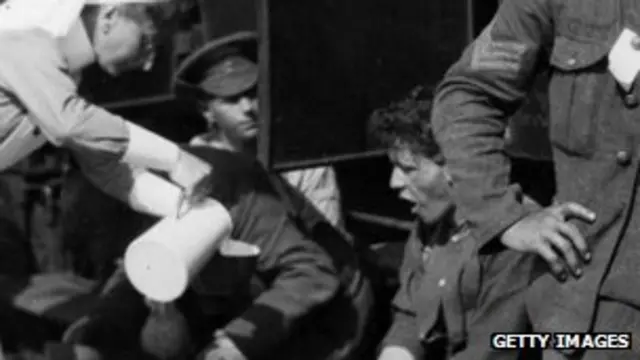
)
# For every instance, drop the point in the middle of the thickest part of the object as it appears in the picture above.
(306, 295)
(222, 78)
(221, 68)
(223, 75)
(50, 44)
(589, 237)
(302, 308)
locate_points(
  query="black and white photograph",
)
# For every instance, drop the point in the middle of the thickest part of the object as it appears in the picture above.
(319, 180)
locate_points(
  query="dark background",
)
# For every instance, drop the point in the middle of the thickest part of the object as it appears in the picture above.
(334, 62)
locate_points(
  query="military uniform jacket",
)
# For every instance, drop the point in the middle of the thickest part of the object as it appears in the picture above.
(593, 128)
(310, 274)
(449, 292)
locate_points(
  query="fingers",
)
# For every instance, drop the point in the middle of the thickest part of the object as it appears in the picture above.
(567, 243)
(193, 196)
(193, 175)
(183, 204)
(571, 247)
(201, 189)
(86, 353)
(566, 254)
(545, 250)
(190, 171)
(571, 210)
(156, 307)
(558, 242)
(570, 232)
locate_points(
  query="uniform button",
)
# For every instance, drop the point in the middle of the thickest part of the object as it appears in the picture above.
(571, 62)
(426, 252)
(631, 100)
(623, 157)
(442, 282)
(635, 42)
(459, 236)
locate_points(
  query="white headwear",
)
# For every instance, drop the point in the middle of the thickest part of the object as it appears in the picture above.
(116, 2)
(55, 16)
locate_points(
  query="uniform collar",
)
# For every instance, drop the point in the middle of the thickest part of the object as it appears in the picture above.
(449, 228)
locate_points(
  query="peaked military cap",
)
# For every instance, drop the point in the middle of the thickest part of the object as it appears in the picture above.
(224, 67)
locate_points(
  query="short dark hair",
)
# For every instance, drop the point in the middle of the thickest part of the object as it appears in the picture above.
(406, 123)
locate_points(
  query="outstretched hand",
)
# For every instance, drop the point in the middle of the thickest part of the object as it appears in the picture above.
(549, 234)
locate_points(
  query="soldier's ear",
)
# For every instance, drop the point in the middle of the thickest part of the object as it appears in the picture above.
(210, 117)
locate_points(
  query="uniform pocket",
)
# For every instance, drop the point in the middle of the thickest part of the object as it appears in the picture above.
(579, 78)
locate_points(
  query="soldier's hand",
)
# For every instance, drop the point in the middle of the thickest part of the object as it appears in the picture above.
(156, 307)
(223, 348)
(549, 234)
(395, 353)
(193, 175)
(83, 352)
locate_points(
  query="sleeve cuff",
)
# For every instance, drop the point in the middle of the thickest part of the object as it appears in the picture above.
(504, 219)
(149, 150)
